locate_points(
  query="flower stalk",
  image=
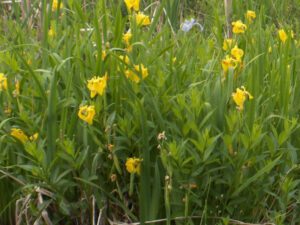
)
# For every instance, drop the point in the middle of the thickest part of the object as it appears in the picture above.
(228, 12)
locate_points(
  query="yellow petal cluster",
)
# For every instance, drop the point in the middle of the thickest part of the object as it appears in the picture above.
(250, 15)
(142, 19)
(56, 5)
(282, 35)
(238, 27)
(135, 75)
(87, 113)
(229, 62)
(133, 165)
(97, 85)
(237, 53)
(132, 4)
(3, 82)
(235, 58)
(240, 96)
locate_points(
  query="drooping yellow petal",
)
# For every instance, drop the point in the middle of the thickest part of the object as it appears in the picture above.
(19, 134)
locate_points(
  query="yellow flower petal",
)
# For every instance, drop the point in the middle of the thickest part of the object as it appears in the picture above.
(240, 96)
(127, 38)
(133, 165)
(282, 35)
(56, 6)
(34, 137)
(3, 82)
(87, 113)
(250, 16)
(19, 134)
(142, 19)
(229, 62)
(237, 53)
(228, 43)
(238, 27)
(97, 85)
(135, 75)
(132, 4)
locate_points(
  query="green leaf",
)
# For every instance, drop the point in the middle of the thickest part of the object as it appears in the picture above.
(260, 173)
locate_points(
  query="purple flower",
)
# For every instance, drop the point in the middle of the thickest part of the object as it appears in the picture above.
(187, 25)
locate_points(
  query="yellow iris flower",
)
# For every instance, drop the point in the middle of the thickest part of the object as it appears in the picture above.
(133, 165)
(229, 62)
(133, 75)
(282, 35)
(238, 27)
(97, 85)
(142, 19)
(237, 53)
(240, 96)
(87, 113)
(250, 16)
(132, 4)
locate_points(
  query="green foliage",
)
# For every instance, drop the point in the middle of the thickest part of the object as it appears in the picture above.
(204, 158)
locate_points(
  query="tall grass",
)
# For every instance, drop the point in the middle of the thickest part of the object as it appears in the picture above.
(203, 160)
